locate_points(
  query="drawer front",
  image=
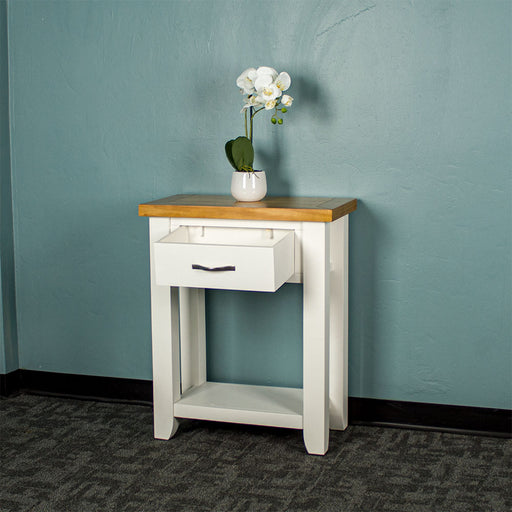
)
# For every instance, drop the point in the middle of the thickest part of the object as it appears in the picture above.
(224, 266)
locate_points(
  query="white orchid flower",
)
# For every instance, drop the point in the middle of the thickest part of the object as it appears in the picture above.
(286, 100)
(265, 70)
(264, 77)
(283, 81)
(253, 101)
(269, 105)
(269, 93)
(262, 81)
(246, 81)
(264, 88)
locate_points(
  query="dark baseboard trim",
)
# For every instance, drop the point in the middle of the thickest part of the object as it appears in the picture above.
(436, 417)
(89, 387)
(10, 383)
(362, 411)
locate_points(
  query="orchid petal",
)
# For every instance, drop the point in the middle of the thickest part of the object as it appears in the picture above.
(286, 100)
(269, 105)
(262, 81)
(283, 81)
(246, 80)
(265, 70)
(270, 92)
(253, 101)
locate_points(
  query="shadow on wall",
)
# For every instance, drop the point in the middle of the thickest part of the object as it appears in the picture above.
(272, 159)
(366, 236)
(312, 97)
(313, 101)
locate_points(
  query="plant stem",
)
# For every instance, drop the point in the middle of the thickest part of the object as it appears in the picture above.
(250, 117)
(252, 114)
(246, 123)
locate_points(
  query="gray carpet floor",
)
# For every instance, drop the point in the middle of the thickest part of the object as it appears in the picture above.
(78, 456)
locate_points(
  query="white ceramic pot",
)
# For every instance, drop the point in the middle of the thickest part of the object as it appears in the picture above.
(249, 186)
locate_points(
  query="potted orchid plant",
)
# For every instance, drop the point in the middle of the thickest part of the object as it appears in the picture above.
(263, 90)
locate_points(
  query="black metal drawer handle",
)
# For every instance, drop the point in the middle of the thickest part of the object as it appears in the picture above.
(230, 268)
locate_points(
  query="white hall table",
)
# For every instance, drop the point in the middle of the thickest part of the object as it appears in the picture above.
(205, 241)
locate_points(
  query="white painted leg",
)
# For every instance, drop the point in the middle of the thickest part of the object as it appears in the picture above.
(338, 331)
(193, 338)
(315, 253)
(165, 342)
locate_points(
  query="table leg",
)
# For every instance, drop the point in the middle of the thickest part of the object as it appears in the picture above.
(165, 344)
(193, 338)
(315, 253)
(338, 331)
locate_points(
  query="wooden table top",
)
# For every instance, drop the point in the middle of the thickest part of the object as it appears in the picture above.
(307, 209)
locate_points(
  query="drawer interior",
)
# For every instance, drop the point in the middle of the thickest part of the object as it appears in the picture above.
(208, 235)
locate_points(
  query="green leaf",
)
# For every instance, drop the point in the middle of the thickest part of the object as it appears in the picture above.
(242, 153)
(229, 153)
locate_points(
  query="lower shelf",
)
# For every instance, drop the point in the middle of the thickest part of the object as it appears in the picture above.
(239, 403)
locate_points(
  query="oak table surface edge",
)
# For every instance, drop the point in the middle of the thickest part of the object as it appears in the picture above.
(307, 209)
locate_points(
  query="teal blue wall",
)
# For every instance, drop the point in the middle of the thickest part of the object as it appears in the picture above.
(406, 106)
(8, 338)
(5, 165)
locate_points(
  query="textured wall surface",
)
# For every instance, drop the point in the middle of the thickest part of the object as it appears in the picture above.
(404, 105)
(5, 166)
(8, 339)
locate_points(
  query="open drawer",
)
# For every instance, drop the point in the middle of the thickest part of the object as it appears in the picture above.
(252, 259)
